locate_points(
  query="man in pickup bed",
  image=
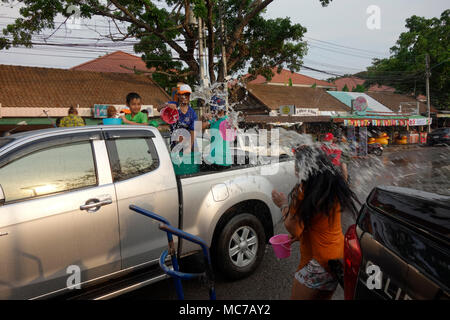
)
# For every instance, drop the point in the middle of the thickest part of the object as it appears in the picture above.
(186, 115)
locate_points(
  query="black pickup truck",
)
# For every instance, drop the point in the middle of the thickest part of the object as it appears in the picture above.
(399, 248)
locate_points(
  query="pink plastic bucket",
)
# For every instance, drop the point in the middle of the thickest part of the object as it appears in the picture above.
(224, 127)
(281, 244)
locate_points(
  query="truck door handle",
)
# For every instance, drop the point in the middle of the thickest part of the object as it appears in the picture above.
(93, 205)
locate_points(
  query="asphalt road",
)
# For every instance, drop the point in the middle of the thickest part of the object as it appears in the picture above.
(426, 168)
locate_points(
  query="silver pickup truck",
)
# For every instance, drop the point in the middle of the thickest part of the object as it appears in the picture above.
(66, 229)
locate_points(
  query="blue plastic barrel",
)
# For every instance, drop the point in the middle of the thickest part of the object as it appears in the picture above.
(112, 121)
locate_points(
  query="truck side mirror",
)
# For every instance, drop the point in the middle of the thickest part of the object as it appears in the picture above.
(2, 196)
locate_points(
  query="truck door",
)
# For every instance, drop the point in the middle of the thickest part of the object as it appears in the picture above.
(46, 236)
(143, 176)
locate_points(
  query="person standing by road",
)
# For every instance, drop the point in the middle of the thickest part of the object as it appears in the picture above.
(312, 215)
(335, 154)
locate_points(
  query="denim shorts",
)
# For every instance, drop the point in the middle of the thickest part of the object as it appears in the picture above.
(314, 276)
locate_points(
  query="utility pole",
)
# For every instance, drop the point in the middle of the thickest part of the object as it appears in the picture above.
(224, 62)
(200, 51)
(428, 75)
(224, 57)
(201, 63)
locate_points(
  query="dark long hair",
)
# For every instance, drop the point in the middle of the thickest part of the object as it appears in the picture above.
(322, 185)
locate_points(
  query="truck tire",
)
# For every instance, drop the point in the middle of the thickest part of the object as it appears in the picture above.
(240, 247)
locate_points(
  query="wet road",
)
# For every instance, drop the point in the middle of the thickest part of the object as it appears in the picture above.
(423, 168)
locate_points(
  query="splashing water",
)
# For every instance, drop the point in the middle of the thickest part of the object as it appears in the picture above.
(365, 173)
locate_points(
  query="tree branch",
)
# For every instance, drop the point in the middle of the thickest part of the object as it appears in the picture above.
(181, 52)
(258, 6)
(138, 71)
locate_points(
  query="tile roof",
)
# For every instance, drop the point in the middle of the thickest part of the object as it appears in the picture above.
(380, 88)
(297, 79)
(45, 87)
(352, 82)
(112, 63)
(275, 96)
(393, 100)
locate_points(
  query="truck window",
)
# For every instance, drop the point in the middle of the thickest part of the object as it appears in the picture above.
(47, 171)
(131, 157)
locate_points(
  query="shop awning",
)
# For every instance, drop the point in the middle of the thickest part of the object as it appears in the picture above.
(382, 121)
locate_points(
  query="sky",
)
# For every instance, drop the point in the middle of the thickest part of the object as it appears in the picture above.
(340, 40)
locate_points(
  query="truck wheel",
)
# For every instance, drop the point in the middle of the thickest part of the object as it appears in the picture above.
(240, 247)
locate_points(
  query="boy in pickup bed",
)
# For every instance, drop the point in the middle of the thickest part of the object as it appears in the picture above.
(136, 117)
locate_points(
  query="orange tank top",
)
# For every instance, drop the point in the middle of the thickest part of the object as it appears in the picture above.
(323, 240)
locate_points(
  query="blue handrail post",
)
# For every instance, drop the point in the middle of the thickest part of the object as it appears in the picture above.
(175, 273)
(178, 285)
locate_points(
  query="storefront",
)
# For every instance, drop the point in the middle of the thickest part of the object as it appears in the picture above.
(393, 129)
(316, 126)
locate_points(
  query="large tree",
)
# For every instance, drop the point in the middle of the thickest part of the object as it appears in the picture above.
(405, 70)
(167, 35)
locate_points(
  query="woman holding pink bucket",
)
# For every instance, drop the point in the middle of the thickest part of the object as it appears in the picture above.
(312, 215)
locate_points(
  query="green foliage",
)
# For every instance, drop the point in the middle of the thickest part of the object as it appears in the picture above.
(314, 85)
(168, 42)
(405, 69)
(358, 88)
(345, 88)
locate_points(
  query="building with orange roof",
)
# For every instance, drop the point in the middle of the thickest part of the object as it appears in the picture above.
(353, 82)
(286, 77)
(33, 94)
(118, 62)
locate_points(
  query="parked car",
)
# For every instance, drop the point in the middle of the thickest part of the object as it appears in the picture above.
(399, 248)
(64, 211)
(439, 136)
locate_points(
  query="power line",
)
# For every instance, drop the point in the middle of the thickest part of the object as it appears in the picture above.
(342, 46)
(82, 57)
(340, 52)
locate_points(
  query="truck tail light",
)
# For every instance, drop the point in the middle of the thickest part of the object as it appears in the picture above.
(445, 136)
(352, 262)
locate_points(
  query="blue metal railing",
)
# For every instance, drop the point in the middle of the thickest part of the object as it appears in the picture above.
(175, 273)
